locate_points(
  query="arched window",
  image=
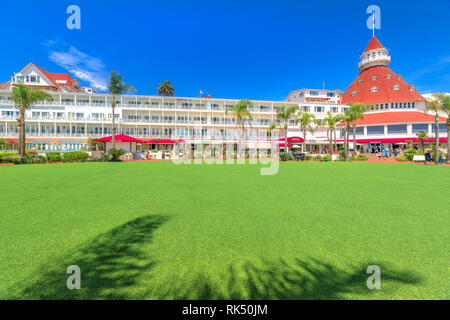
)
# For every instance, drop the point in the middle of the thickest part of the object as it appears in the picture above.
(374, 78)
(354, 93)
(360, 81)
(389, 76)
(374, 89)
(396, 87)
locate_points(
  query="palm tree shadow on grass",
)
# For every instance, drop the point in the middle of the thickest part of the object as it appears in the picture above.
(110, 263)
(308, 279)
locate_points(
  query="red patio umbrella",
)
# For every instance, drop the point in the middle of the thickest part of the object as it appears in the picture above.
(118, 138)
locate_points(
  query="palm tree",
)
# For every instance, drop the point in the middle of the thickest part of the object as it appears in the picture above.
(357, 109)
(331, 121)
(305, 122)
(24, 97)
(242, 114)
(116, 88)
(284, 113)
(434, 105)
(421, 136)
(445, 104)
(165, 89)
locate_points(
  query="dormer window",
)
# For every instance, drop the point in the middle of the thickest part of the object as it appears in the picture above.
(396, 87)
(374, 89)
(354, 93)
(374, 78)
(389, 76)
(360, 81)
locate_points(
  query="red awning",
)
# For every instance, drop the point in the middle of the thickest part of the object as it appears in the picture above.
(293, 140)
(281, 145)
(118, 138)
(167, 141)
(393, 140)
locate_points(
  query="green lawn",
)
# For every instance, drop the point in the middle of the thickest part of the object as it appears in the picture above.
(155, 230)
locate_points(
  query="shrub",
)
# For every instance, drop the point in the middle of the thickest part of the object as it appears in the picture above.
(402, 158)
(409, 153)
(289, 156)
(326, 158)
(76, 156)
(359, 157)
(53, 156)
(7, 157)
(116, 153)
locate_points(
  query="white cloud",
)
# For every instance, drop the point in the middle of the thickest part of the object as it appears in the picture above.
(81, 65)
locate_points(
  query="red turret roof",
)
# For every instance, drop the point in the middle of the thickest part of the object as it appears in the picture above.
(374, 43)
(385, 80)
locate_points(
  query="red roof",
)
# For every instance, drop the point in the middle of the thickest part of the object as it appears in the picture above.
(59, 76)
(374, 43)
(397, 117)
(384, 79)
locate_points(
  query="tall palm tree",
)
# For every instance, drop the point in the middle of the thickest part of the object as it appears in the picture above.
(24, 97)
(242, 114)
(165, 89)
(421, 136)
(284, 114)
(116, 88)
(331, 121)
(357, 109)
(445, 104)
(434, 105)
(305, 122)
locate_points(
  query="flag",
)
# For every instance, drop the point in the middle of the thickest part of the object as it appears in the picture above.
(201, 92)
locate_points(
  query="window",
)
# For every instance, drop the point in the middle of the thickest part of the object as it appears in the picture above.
(334, 109)
(374, 89)
(359, 130)
(318, 109)
(374, 78)
(389, 76)
(397, 128)
(360, 81)
(300, 94)
(354, 93)
(442, 127)
(396, 87)
(330, 94)
(416, 127)
(314, 93)
(306, 108)
(375, 130)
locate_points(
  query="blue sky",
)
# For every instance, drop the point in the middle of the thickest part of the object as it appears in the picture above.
(228, 49)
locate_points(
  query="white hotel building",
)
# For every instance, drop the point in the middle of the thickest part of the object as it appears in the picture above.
(76, 113)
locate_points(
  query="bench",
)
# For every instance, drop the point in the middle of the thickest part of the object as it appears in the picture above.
(419, 157)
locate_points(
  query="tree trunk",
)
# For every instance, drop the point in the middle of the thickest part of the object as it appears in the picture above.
(335, 139)
(448, 139)
(330, 140)
(21, 129)
(285, 142)
(304, 141)
(436, 139)
(346, 142)
(354, 140)
(22, 142)
(113, 107)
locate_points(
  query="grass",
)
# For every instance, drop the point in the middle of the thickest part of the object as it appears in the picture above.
(155, 230)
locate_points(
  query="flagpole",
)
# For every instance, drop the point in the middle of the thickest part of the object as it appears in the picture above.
(373, 23)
